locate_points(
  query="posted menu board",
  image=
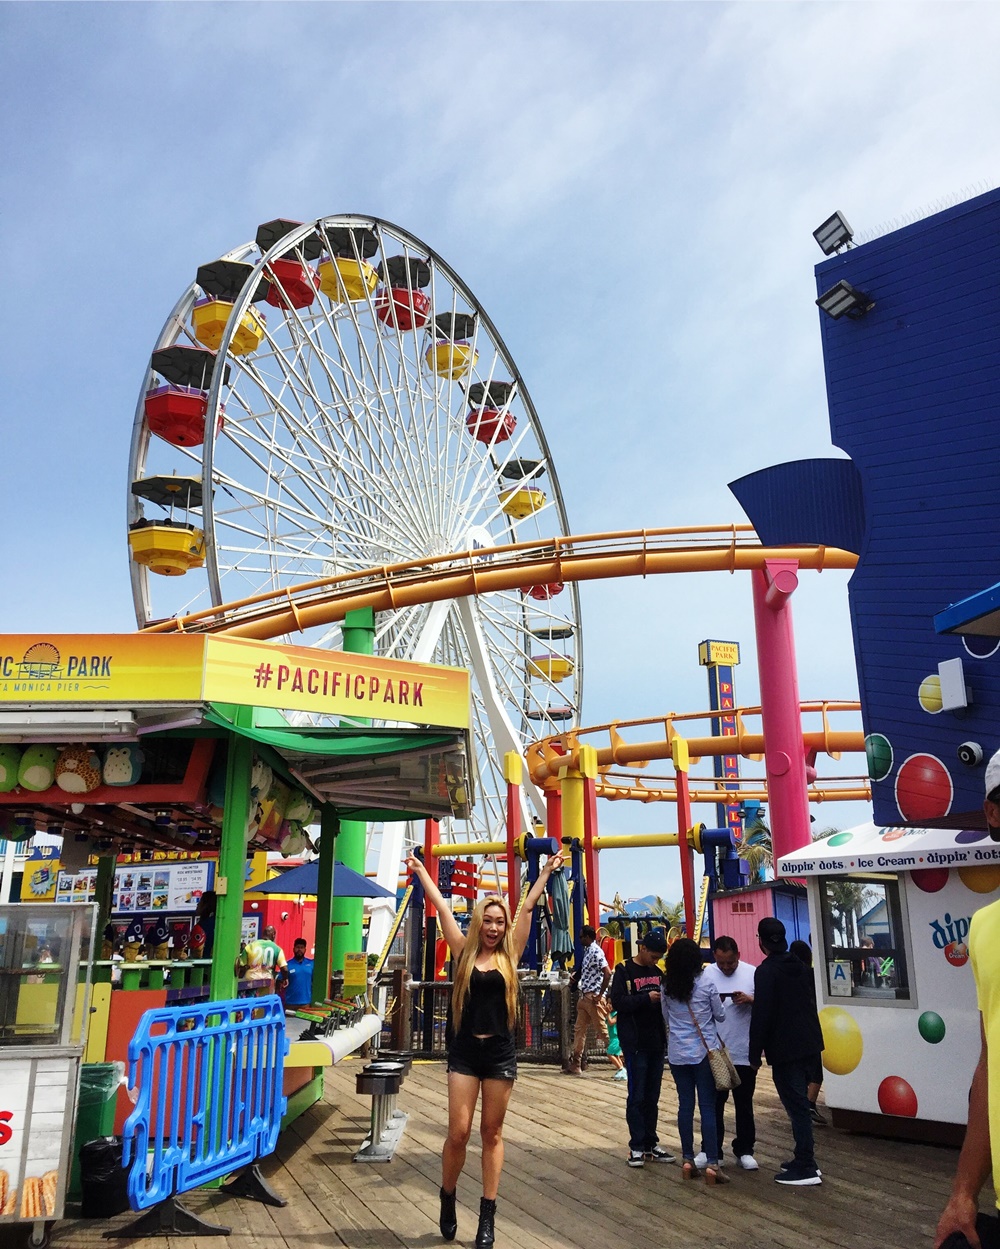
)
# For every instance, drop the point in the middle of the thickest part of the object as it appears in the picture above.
(142, 887)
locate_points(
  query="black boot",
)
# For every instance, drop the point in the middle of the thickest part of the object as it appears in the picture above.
(448, 1222)
(487, 1213)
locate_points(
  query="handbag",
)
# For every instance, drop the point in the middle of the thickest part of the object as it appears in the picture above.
(720, 1061)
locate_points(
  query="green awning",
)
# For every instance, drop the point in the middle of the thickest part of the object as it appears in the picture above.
(371, 774)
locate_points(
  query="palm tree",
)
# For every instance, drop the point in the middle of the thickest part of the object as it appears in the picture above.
(672, 914)
(848, 900)
(756, 851)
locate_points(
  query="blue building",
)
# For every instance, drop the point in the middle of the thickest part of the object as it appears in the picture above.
(913, 386)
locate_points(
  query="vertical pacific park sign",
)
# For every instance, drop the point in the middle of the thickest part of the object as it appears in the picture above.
(122, 669)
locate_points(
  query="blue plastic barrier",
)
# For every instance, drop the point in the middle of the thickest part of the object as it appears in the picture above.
(209, 1080)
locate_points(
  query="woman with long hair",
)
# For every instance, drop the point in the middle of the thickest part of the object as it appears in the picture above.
(691, 1007)
(482, 1057)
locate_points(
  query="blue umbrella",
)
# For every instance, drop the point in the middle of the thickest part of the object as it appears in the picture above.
(347, 883)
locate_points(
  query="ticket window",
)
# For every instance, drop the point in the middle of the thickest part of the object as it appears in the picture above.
(864, 939)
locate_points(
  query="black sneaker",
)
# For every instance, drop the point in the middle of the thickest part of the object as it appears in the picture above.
(791, 1163)
(816, 1117)
(795, 1175)
(656, 1154)
(636, 1158)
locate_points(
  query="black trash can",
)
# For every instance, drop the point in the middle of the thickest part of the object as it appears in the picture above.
(103, 1179)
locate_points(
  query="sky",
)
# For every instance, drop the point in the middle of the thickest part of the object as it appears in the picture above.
(629, 190)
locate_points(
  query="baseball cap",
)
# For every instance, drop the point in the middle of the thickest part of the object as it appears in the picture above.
(993, 774)
(771, 932)
(655, 940)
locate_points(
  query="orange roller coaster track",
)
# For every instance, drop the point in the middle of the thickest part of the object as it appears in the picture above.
(633, 553)
(549, 756)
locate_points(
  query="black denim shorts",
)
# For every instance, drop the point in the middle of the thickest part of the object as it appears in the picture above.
(486, 1058)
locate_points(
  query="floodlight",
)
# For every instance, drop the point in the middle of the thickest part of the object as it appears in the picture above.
(833, 234)
(845, 300)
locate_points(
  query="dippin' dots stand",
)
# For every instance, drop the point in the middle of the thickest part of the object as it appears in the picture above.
(890, 911)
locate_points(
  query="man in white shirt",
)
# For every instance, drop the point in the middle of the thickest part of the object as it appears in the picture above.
(734, 980)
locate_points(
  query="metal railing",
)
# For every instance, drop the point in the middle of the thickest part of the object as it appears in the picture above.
(544, 1026)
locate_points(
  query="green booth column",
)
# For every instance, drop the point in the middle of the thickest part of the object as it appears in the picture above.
(359, 639)
(231, 871)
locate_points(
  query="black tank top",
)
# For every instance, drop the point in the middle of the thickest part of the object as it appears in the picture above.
(485, 1012)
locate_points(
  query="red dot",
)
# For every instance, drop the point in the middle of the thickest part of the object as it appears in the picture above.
(923, 788)
(930, 879)
(896, 1097)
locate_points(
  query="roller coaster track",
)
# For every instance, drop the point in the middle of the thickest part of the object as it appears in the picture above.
(633, 553)
(548, 756)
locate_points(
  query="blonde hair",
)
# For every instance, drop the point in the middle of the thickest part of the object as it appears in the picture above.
(505, 955)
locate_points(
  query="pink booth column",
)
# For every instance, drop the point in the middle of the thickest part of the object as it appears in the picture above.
(784, 759)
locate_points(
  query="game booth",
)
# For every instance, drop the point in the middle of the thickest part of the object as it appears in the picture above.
(890, 912)
(168, 768)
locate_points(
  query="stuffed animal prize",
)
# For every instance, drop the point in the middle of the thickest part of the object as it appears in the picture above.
(10, 761)
(78, 770)
(37, 769)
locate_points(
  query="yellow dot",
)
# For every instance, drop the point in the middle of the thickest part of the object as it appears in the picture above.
(842, 1044)
(980, 879)
(929, 694)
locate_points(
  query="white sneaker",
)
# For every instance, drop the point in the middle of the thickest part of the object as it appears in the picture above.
(748, 1162)
(701, 1161)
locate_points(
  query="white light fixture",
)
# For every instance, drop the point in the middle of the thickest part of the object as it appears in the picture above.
(178, 722)
(67, 726)
(833, 234)
(845, 300)
(955, 694)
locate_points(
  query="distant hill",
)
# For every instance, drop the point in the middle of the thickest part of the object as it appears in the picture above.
(637, 906)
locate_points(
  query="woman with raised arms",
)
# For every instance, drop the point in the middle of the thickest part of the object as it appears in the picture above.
(481, 1047)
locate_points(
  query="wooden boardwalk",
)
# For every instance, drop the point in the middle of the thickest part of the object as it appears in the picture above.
(565, 1183)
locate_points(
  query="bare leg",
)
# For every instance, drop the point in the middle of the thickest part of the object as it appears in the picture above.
(812, 1092)
(463, 1093)
(496, 1095)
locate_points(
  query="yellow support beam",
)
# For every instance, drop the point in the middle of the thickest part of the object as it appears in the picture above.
(448, 849)
(631, 841)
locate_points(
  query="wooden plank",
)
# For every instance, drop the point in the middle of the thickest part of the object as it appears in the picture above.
(565, 1183)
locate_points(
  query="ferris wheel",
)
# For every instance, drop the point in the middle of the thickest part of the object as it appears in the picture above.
(331, 398)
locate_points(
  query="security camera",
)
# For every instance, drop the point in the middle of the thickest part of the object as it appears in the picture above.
(971, 754)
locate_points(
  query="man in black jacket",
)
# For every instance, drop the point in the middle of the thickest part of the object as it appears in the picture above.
(635, 995)
(785, 1027)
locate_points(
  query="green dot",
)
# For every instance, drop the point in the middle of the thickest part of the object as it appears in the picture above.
(931, 1027)
(879, 751)
(840, 839)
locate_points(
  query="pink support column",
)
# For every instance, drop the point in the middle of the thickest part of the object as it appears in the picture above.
(784, 759)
